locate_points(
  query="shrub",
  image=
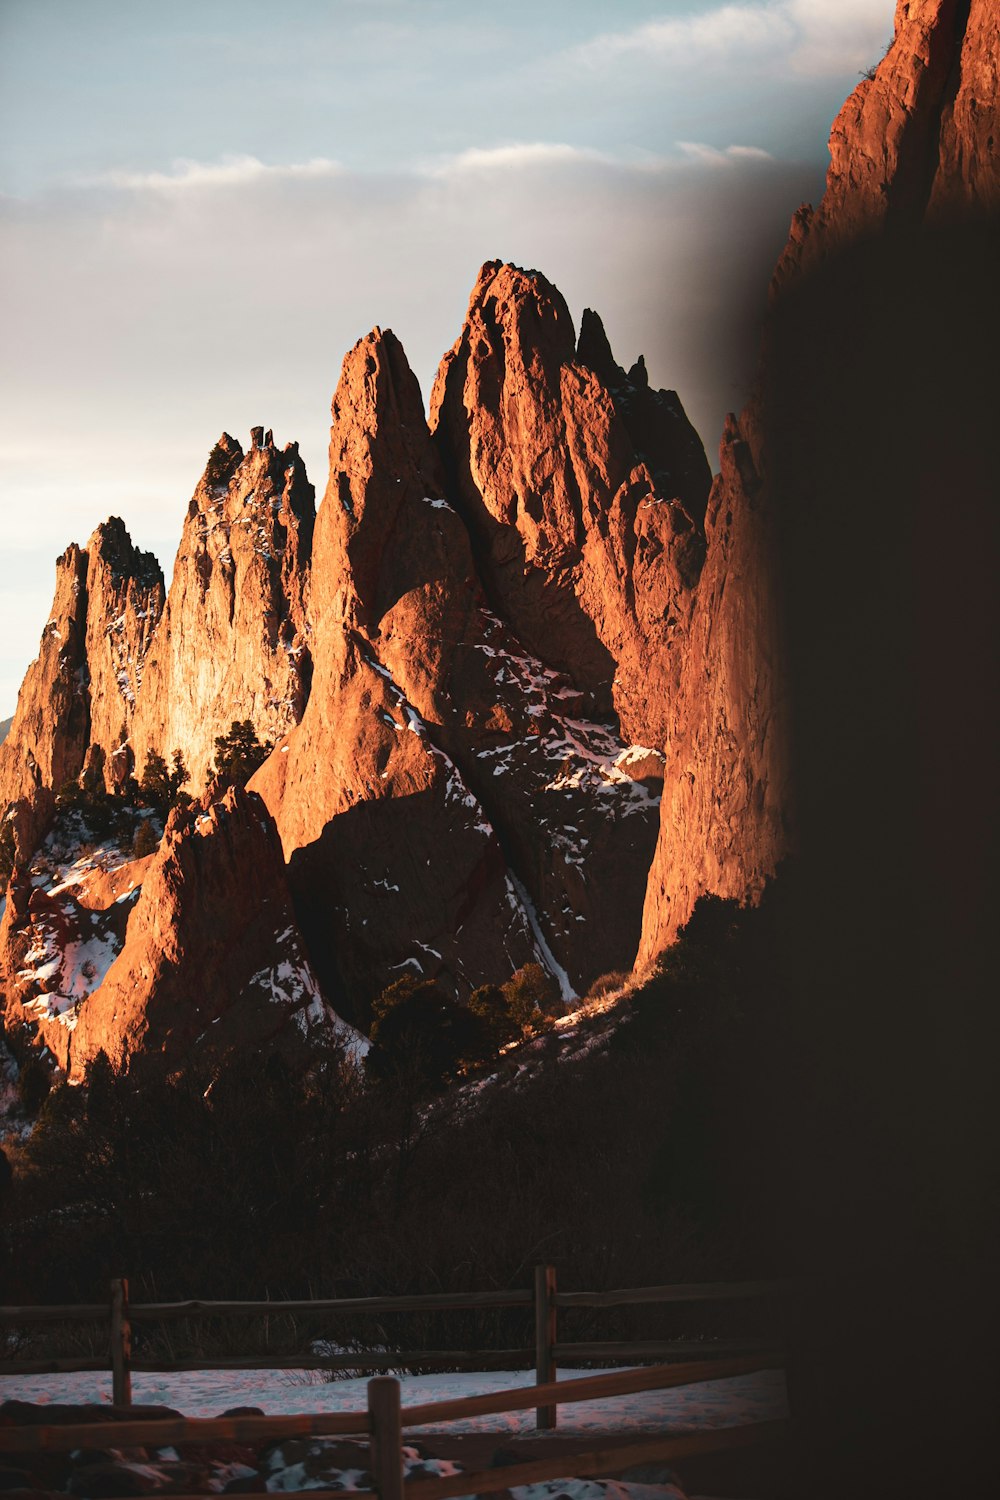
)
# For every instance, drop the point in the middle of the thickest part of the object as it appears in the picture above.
(490, 1004)
(145, 841)
(423, 1033)
(160, 786)
(532, 998)
(8, 851)
(239, 753)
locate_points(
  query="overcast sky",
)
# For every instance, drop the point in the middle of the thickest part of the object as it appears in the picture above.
(203, 204)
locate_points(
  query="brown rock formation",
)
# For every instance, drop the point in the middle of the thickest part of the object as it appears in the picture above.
(917, 141)
(232, 642)
(912, 147)
(76, 701)
(49, 735)
(391, 860)
(124, 603)
(583, 491)
(436, 729)
(725, 810)
(212, 961)
(54, 952)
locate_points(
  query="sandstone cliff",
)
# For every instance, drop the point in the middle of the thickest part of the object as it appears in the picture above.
(49, 734)
(916, 142)
(233, 639)
(77, 699)
(515, 626)
(193, 952)
(433, 728)
(912, 150)
(392, 862)
(582, 489)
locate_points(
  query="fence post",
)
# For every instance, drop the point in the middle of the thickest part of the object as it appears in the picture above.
(545, 1338)
(121, 1345)
(386, 1442)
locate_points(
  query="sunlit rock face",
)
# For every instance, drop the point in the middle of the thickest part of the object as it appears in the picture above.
(394, 864)
(915, 144)
(77, 700)
(233, 640)
(583, 490)
(48, 738)
(124, 604)
(913, 158)
(431, 728)
(211, 962)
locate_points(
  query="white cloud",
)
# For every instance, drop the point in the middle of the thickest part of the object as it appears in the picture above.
(812, 37)
(839, 35)
(229, 171)
(691, 40)
(517, 156)
(711, 155)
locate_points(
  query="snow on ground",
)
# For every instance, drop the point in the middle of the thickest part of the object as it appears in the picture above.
(732, 1402)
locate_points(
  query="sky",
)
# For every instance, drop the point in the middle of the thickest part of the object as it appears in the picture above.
(203, 205)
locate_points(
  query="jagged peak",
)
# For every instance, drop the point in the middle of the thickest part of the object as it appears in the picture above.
(111, 543)
(593, 348)
(375, 375)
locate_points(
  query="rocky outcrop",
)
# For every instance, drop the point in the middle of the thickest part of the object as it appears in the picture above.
(393, 864)
(913, 149)
(212, 961)
(916, 142)
(77, 699)
(583, 491)
(725, 814)
(233, 639)
(124, 604)
(49, 736)
(436, 730)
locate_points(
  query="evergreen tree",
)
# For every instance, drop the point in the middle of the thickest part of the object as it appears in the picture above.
(239, 753)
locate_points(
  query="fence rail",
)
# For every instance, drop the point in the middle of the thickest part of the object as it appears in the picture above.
(175, 1431)
(545, 1300)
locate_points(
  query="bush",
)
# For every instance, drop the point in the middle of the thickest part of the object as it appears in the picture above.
(8, 851)
(424, 1034)
(490, 1004)
(160, 787)
(239, 753)
(34, 1082)
(532, 998)
(145, 841)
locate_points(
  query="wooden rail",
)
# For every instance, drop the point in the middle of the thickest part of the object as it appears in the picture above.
(545, 1299)
(176, 1431)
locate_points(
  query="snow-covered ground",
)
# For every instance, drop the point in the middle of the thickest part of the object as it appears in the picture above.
(733, 1402)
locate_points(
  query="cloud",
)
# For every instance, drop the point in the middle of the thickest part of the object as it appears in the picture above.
(517, 156)
(818, 38)
(229, 171)
(693, 40)
(711, 155)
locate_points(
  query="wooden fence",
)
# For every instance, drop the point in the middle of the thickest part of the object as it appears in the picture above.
(545, 1299)
(384, 1421)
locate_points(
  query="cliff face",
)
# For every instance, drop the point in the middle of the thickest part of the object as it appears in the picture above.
(124, 603)
(529, 678)
(916, 143)
(232, 643)
(393, 864)
(432, 728)
(49, 733)
(725, 814)
(583, 491)
(212, 961)
(913, 153)
(76, 703)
